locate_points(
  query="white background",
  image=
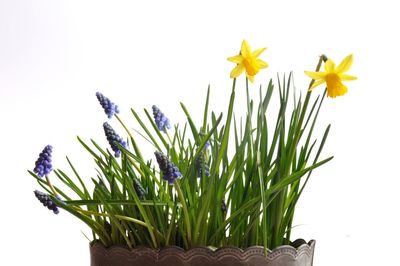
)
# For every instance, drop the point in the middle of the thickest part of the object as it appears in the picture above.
(54, 56)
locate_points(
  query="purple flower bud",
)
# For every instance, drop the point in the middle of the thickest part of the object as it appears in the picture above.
(161, 120)
(207, 143)
(43, 164)
(200, 164)
(113, 138)
(170, 171)
(107, 227)
(140, 191)
(223, 206)
(46, 201)
(109, 107)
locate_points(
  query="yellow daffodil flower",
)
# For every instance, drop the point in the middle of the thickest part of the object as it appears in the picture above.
(333, 76)
(247, 61)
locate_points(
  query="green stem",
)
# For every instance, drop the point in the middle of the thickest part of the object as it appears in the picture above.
(115, 202)
(135, 147)
(280, 200)
(303, 112)
(51, 186)
(185, 213)
(302, 115)
(122, 217)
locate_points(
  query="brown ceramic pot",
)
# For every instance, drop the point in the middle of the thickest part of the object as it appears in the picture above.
(299, 253)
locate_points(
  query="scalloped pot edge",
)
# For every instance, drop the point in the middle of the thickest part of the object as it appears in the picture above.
(202, 256)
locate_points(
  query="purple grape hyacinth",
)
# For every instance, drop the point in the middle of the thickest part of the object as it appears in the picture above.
(140, 191)
(46, 201)
(113, 138)
(223, 207)
(170, 171)
(43, 164)
(200, 165)
(107, 227)
(109, 107)
(207, 145)
(161, 120)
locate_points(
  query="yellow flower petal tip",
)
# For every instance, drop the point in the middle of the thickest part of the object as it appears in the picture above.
(333, 77)
(247, 61)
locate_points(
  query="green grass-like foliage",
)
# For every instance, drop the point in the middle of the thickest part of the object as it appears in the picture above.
(260, 181)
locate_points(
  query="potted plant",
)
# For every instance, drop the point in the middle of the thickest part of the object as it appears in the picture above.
(219, 192)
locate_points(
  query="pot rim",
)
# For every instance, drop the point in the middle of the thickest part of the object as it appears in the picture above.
(304, 248)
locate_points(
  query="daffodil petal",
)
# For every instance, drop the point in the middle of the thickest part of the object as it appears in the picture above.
(247, 62)
(261, 64)
(315, 75)
(329, 66)
(347, 77)
(316, 83)
(236, 59)
(345, 64)
(246, 49)
(237, 71)
(251, 78)
(257, 52)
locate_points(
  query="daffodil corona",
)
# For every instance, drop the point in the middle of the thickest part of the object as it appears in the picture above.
(247, 61)
(333, 76)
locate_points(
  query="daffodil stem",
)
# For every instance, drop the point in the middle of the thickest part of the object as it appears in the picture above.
(306, 101)
(292, 152)
(322, 58)
(302, 115)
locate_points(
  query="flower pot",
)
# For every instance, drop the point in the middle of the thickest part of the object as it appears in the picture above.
(299, 253)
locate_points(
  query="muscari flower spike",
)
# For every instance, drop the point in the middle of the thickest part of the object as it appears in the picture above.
(107, 227)
(207, 145)
(223, 206)
(43, 164)
(170, 171)
(200, 165)
(113, 138)
(140, 191)
(161, 120)
(109, 107)
(46, 201)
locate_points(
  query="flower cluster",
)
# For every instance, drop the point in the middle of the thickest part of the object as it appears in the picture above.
(170, 171)
(140, 191)
(201, 165)
(161, 120)
(199, 211)
(43, 164)
(109, 107)
(247, 61)
(207, 145)
(107, 227)
(46, 201)
(113, 138)
(224, 209)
